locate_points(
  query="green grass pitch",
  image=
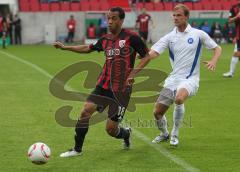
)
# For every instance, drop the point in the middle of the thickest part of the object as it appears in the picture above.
(209, 137)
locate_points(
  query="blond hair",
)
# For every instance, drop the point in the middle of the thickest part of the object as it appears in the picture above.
(184, 8)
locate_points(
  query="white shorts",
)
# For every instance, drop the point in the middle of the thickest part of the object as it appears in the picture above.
(235, 48)
(191, 85)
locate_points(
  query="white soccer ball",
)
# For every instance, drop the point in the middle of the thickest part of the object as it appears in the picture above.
(39, 153)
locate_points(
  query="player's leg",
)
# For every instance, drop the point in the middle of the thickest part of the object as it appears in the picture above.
(116, 113)
(165, 99)
(178, 114)
(234, 60)
(185, 89)
(114, 130)
(81, 129)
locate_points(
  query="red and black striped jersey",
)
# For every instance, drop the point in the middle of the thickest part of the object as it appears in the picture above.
(233, 12)
(120, 54)
(143, 20)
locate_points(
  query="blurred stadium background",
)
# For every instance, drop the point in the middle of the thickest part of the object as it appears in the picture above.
(44, 21)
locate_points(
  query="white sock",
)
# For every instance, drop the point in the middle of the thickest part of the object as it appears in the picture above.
(178, 115)
(162, 125)
(233, 64)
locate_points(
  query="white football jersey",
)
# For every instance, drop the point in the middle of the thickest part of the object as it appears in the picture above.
(185, 51)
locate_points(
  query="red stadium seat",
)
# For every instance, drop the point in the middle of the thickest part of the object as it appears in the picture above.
(55, 6)
(23, 2)
(75, 6)
(85, 6)
(104, 6)
(35, 7)
(103, 1)
(214, 2)
(33, 1)
(45, 7)
(94, 6)
(217, 6)
(189, 5)
(207, 5)
(197, 6)
(158, 6)
(227, 5)
(168, 6)
(85, 1)
(65, 6)
(94, 2)
(149, 6)
(24, 7)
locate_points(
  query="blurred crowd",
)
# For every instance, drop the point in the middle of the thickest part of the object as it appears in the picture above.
(10, 28)
(221, 34)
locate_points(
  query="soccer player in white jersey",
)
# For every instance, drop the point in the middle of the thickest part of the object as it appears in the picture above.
(185, 45)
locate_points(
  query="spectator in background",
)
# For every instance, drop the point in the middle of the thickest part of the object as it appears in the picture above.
(194, 25)
(91, 31)
(1, 27)
(4, 32)
(17, 30)
(71, 26)
(142, 24)
(225, 32)
(103, 25)
(206, 28)
(216, 32)
(10, 27)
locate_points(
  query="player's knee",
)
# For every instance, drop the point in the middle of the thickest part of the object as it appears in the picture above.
(179, 100)
(158, 113)
(85, 114)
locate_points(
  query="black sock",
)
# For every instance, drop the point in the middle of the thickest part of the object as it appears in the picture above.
(81, 131)
(123, 134)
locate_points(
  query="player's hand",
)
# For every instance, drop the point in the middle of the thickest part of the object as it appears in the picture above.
(211, 65)
(58, 44)
(238, 15)
(130, 81)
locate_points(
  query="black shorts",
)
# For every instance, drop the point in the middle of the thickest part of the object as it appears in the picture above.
(117, 102)
(238, 44)
(144, 35)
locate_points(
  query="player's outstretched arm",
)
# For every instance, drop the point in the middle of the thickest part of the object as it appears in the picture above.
(77, 48)
(144, 61)
(211, 65)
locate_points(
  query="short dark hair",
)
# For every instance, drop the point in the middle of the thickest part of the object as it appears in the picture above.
(119, 10)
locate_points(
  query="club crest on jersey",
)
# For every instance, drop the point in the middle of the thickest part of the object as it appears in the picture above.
(122, 43)
(190, 40)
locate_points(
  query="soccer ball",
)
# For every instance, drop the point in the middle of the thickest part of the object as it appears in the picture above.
(39, 153)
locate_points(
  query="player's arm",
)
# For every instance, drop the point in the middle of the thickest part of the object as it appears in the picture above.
(233, 17)
(140, 47)
(211, 44)
(76, 48)
(81, 48)
(211, 65)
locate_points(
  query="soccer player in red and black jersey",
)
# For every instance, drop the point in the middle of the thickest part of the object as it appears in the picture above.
(113, 87)
(234, 17)
(142, 24)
